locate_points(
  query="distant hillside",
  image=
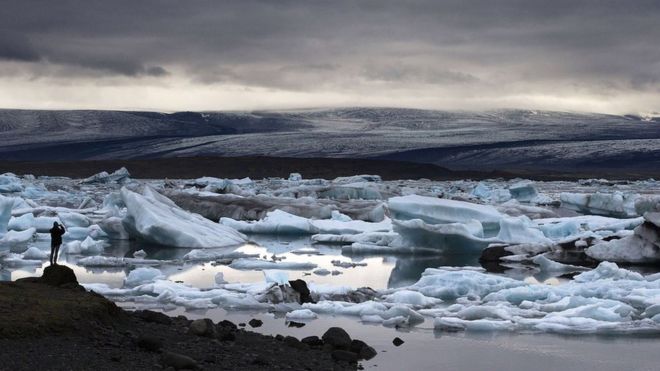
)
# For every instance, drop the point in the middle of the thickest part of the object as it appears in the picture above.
(512, 140)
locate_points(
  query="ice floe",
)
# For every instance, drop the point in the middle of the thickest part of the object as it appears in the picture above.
(155, 218)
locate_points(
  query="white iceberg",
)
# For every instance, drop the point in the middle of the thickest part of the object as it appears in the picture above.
(442, 211)
(256, 264)
(301, 314)
(615, 204)
(142, 275)
(155, 218)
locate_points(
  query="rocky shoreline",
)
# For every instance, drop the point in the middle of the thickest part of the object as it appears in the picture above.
(53, 323)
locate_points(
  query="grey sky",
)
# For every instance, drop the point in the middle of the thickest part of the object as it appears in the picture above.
(175, 55)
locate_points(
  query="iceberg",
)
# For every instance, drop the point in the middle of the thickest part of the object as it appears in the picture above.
(87, 247)
(616, 204)
(6, 204)
(142, 275)
(643, 246)
(10, 183)
(13, 238)
(452, 238)
(154, 218)
(256, 264)
(442, 211)
(119, 176)
(71, 219)
(280, 222)
(22, 222)
(523, 191)
(301, 314)
(34, 253)
(275, 222)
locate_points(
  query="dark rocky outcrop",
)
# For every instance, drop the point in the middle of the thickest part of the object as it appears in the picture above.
(337, 337)
(300, 287)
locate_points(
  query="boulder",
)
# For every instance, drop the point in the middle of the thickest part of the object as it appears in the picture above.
(58, 275)
(344, 355)
(177, 361)
(255, 322)
(337, 337)
(397, 341)
(300, 286)
(312, 341)
(202, 327)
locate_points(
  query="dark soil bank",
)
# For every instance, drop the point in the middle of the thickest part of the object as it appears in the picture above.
(52, 324)
(258, 167)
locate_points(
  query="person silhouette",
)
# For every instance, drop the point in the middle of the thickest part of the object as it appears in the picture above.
(55, 241)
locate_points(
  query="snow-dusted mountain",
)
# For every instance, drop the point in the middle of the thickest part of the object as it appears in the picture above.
(503, 139)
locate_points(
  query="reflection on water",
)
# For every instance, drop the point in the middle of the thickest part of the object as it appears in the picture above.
(380, 271)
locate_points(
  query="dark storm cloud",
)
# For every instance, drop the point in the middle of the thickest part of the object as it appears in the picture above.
(302, 45)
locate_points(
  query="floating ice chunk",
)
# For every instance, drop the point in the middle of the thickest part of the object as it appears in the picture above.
(17, 260)
(280, 222)
(548, 265)
(87, 247)
(10, 183)
(142, 275)
(351, 226)
(301, 314)
(275, 222)
(256, 264)
(45, 223)
(523, 191)
(375, 238)
(587, 223)
(295, 177)
(276, 276)
(453, 324)
(614, 204)
(453, 238)
(71, 219)
(482, 190)
(520, 230)
(22, 222)
(608, 271)
(560, 229)
(114, 228)
(34, 253)
(336, 215)
(439, 211)
(515, 208)
(215, 254)
(91, 247)
(119, 176)
(448, 285)
(18, 238)
(6, 204)
(352, 191)
(157, 219)
(357, 179)
(412, 298)
(140, 254)
(321, 272)
(643, 246)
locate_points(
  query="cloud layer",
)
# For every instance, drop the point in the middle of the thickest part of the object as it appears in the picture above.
(171, 55)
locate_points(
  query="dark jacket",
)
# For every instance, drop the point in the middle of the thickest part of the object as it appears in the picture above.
(56, 235)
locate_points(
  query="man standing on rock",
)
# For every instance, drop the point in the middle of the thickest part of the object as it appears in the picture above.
(55, 241)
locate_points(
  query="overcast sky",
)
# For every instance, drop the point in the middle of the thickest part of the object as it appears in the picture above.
(216, 55)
